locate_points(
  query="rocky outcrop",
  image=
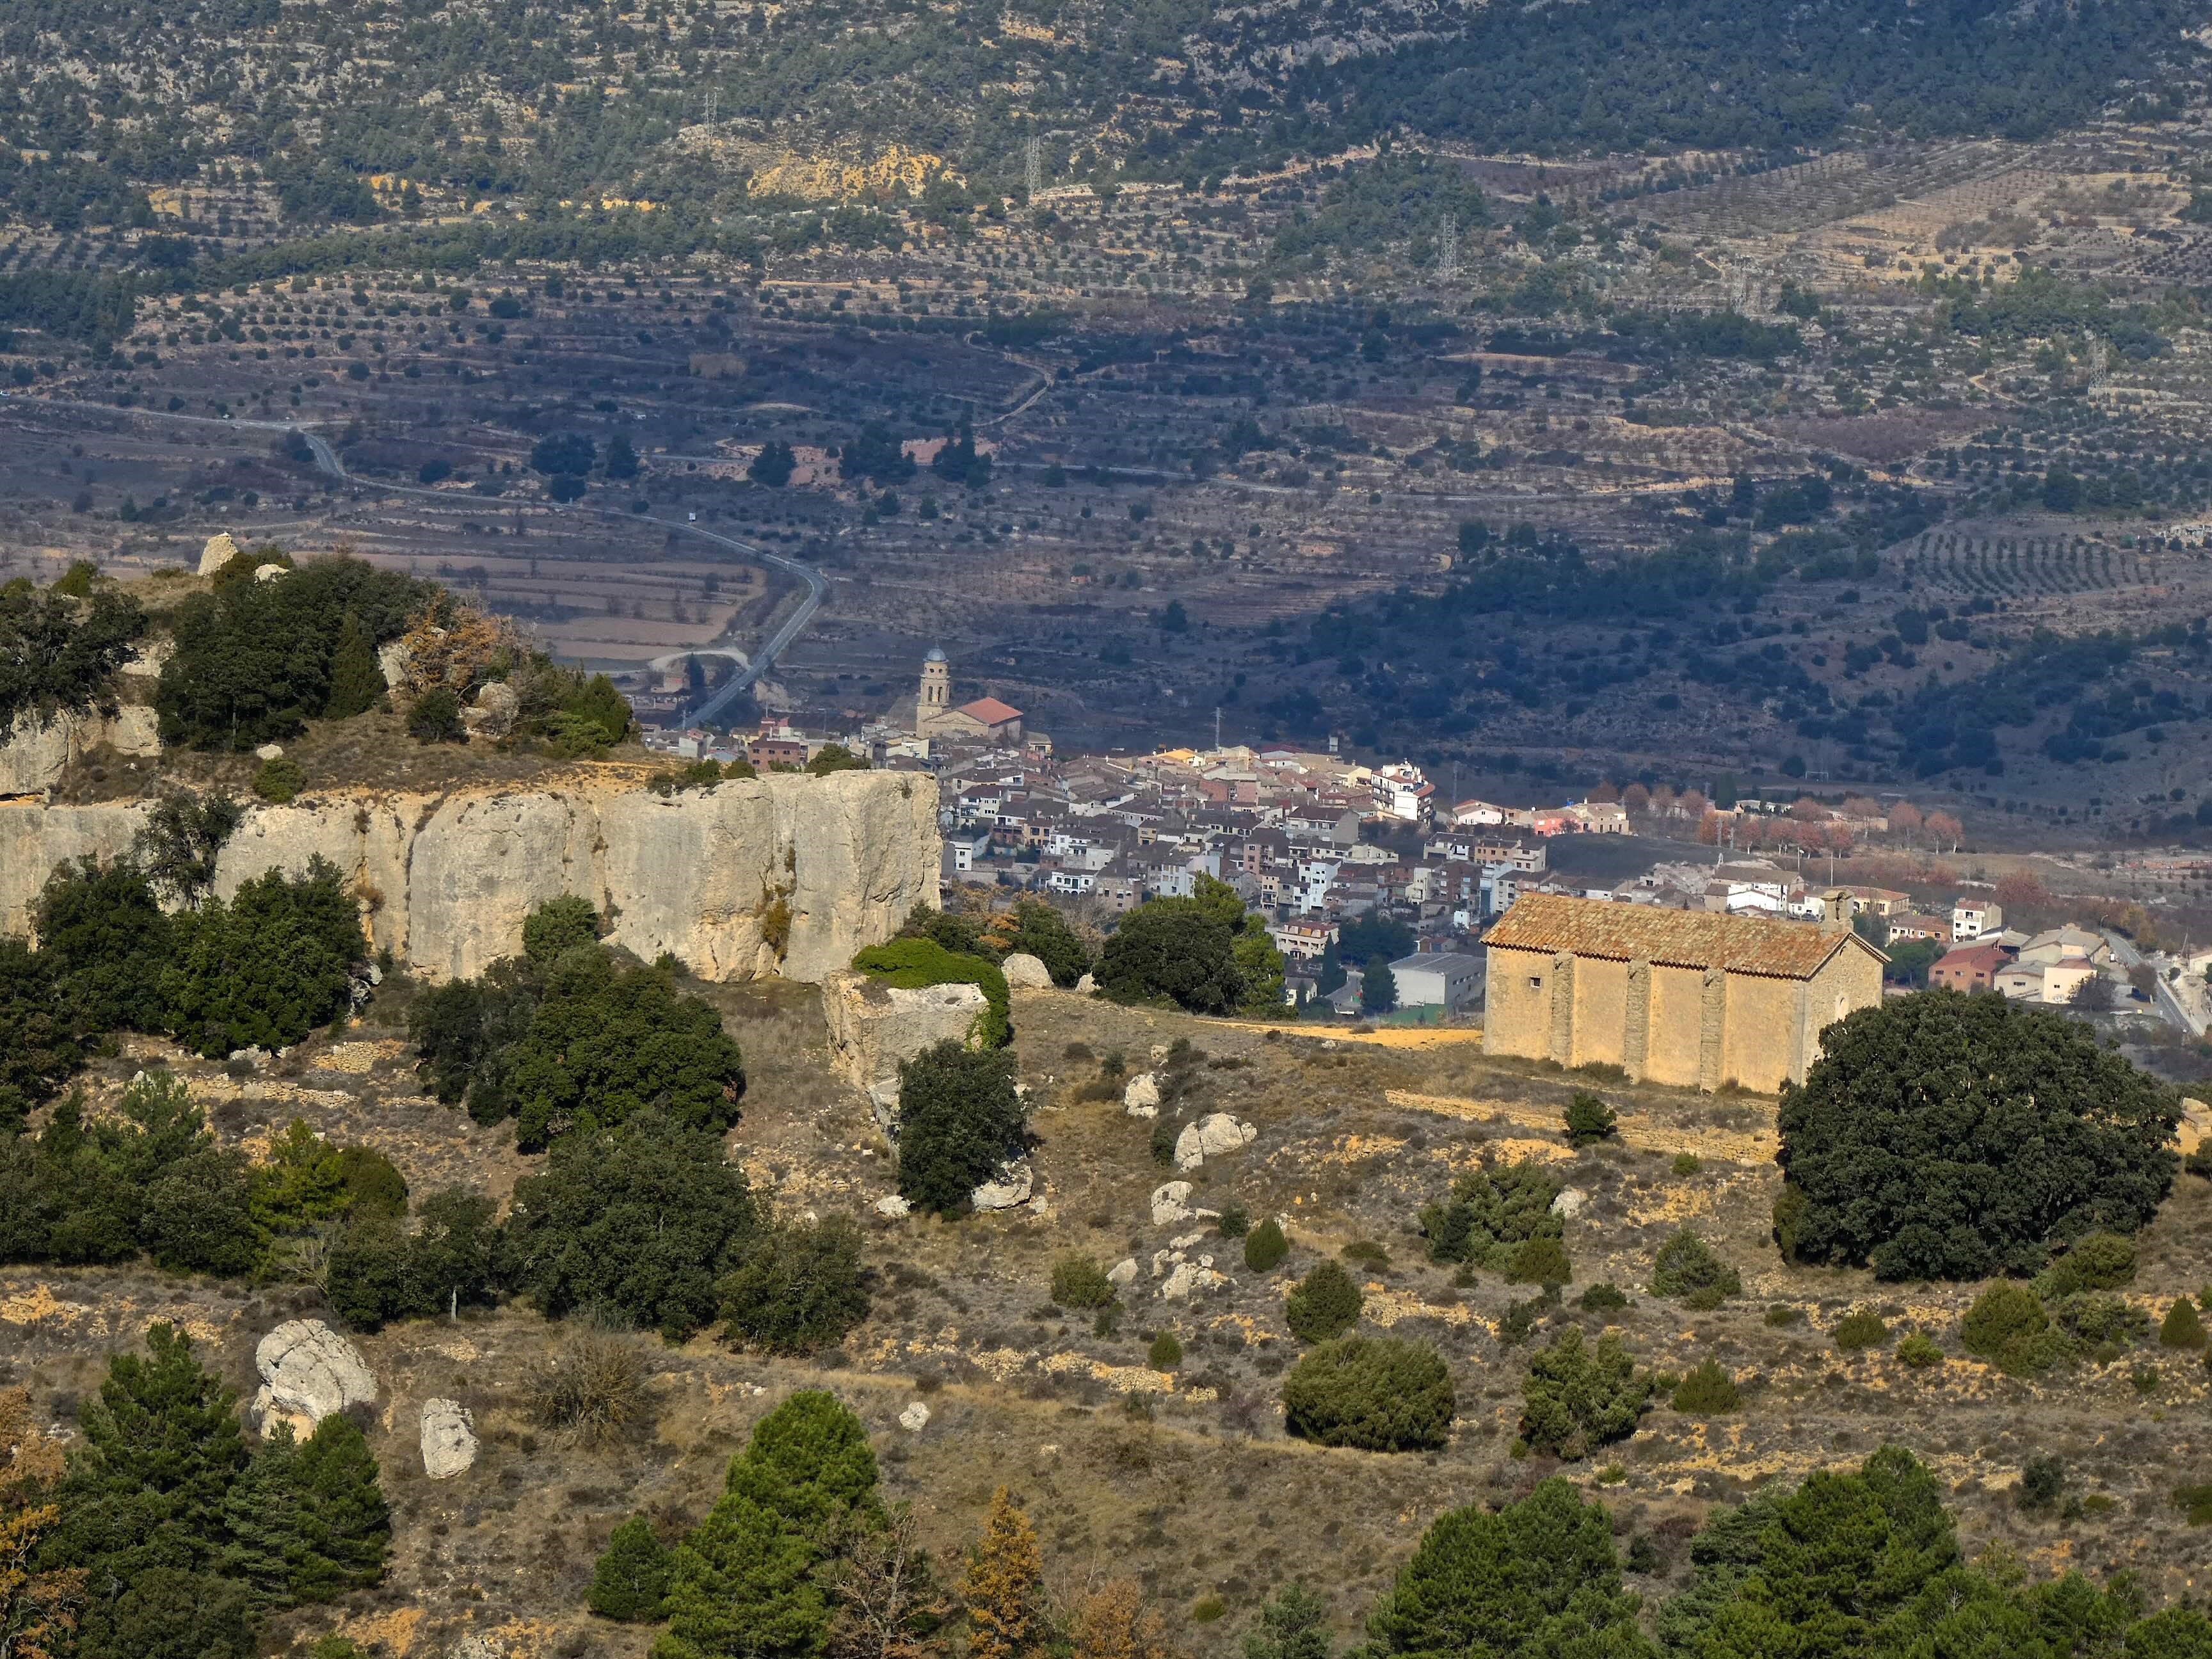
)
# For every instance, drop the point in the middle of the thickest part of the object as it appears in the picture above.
(785, 874)
(449, 1439)
(309, 1372)
(36, 755)
(1211, 1136)
(873, 1027)
(1142, 1098)
(1024, 972)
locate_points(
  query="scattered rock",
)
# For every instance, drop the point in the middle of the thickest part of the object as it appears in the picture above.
(1122, 1273)
(1169, 1203)
(884, 1101)
(394, 659)
(1183, 1242)
(218, 552)
(254, 1057)
(474, 1647)
(1570, 1202)
(494, 712)
(1011, 1189)
(1188, 1279)
(1160, 1053)
(1086, 986)
(1142, 1098)
(270, 572)
(269, 752)
(309, 1372)
(893, 1206)
(449, 1439)
(1211, 1136)
(915, 1418)
(1024, 972)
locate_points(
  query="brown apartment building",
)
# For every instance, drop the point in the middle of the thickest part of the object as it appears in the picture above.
(1685, 996)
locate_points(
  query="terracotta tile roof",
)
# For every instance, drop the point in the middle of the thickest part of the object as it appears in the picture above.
(991, 711)
(1678, 938)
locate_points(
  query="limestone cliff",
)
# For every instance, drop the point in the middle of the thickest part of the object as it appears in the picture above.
(36, 754)
(784, 874)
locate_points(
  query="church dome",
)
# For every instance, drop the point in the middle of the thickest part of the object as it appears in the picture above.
(936, 654)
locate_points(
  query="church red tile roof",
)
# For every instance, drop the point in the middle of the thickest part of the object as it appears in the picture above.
(990, 711)
(1683, 939)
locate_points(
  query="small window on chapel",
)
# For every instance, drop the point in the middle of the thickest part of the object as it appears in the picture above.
(1535, 981)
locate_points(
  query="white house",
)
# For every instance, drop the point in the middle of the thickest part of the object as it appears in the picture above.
(1427, 980)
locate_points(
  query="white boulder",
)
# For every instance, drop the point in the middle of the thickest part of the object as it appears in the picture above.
(1142, 1098)
(1188, 1278)
(269, 752)
(393, 658)
(218, 552)
(309, 1372)
(1122, 1274)
(1025, 972)
(915, 1418)
(1170, 1203)
(270, 573)
(449, 1439)
(893, 1206)
(1086, 986)
(1211, 1136)
(1009, 1190)
(1569, 1204)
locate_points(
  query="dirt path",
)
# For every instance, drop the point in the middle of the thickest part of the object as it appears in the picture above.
(1649, 1134)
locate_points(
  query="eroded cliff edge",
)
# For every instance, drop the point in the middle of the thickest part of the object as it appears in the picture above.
(785, 874)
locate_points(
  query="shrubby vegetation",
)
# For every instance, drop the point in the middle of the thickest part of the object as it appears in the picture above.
(959, 1122)
(1493, 1213)
(914, 963)
(1378, 1393)
(1686, 1268)
(1948, 1136)
(1324, 1305)
(572, 1036)
(1203, 954)
(59, 654)
(1576, 1399)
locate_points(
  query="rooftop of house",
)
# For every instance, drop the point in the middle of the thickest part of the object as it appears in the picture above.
(1679, 938)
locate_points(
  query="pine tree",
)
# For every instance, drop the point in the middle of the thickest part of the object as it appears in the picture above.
(1116, 1622)
(1004, 1590)
(744, 1585)
(1294, 1625)
(161, 1448)
(356, 678)
(631, 1580)
(810, 1465)
(266, 1515)
(308, 1523)
(2182, 1328)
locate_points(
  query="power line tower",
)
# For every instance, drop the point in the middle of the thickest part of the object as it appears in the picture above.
(1033, 166)
(713, 97)
(1448, 251)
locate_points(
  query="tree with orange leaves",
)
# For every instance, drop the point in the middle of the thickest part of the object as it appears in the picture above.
(37, 1610)
(1116, 1622)
(1004, 1590)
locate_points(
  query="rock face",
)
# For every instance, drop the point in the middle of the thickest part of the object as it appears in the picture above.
(309, 1372)
(874, 1026)
(1211, 1136)
(785, 874)
(34, 757)
(218, 552)
(1024, 972)
(449, 1439)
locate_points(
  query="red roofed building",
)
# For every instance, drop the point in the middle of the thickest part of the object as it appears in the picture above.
(1969, 967)
(986, 718)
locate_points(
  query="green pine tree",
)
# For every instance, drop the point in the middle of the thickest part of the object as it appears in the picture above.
(356, 679)
(744, 1585)
(161, 1448)
(266, 1513)
(308, 1523)
(631, 1580)
(810, 1464)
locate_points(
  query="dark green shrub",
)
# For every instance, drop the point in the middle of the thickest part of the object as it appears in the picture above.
(1265, 1247)
(799, 1288)
(1589, 1119)
(2008, 1326)
(1235, 1220)
(1604, 1296)
(959, 1122)
(1377, 1394)
(1686, 1269)
(1920, 1350)
(1042, 932)
(1781, 1314)
(2182, 1328)
(278, 781)
(1707, 1391)
(41, 1040)
(1079, 1282)
(435, 717)
(1539, 1261)
(631, 1578)
(1325, 1304)
(559, 926)
(1493, 1211)
(1686, 1163)
(2098, 1261)
(1861, 1328)
(2042, 1482)
(1576, 1399)
(1955, 1136)
(266, 969)
(1368, 1254)
(1165, 1352)
(917, 963)
(1202, 954)
(2102, 1321)
(104, 936)
(2195, 1504)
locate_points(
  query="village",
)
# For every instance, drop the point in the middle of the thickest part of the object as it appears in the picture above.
(1356, 867)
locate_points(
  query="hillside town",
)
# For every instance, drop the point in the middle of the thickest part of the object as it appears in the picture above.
(1318, 843)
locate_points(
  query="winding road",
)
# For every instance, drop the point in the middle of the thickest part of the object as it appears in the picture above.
(704, 713)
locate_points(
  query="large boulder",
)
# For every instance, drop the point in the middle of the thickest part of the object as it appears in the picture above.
(1211, 1136)
(494, 712)
(309, 1372)
(875, 1027)
(1010, 1191)
(1171, 1203)
(1142, 1098)
(449, 1439)
(1024, 972)
(218, 552)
